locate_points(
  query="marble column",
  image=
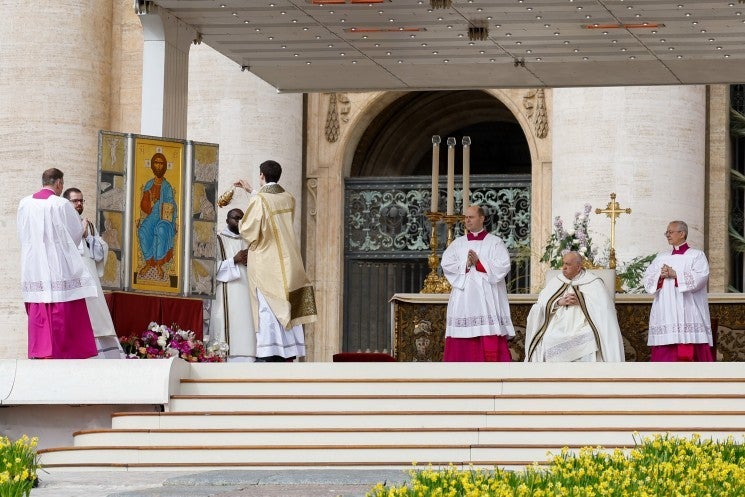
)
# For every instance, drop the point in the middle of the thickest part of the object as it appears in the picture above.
(646, 144)
(165, 70)
(54, 97)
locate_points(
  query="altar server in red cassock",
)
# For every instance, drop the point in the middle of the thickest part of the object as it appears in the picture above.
(54, 280)
(478, 314)
(679, 323)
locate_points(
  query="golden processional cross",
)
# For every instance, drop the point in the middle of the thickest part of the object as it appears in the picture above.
(612, 211)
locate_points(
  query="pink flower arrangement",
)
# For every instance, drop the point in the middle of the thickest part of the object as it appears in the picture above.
(564, 240)
(160, 341)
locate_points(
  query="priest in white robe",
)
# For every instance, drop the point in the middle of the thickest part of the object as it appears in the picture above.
(478, 314)
(679, 323)
(230, 317)
(574, 319)
(54, 281)
(282, 297)
(94, 252)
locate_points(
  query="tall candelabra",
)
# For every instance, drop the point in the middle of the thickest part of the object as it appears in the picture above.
(434, 283)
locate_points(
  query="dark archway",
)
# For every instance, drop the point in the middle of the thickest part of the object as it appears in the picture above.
(398, 141)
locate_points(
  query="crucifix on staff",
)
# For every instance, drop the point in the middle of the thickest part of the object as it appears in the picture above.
(612, 210)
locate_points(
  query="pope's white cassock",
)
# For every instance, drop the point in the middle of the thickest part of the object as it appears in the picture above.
(587, 332)
(95, 252)
(680, 310)
(478, 303)
(231, 320)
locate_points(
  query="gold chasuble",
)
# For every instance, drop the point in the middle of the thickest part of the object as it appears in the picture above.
(274, 263)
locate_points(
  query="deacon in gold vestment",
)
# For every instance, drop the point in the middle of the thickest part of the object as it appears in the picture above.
(282, 297)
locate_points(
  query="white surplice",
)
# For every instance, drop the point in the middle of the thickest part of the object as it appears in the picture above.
(51, 267)
(230, 318)
(94, 252)
(478, 303)
(587, 332)
(680, 314)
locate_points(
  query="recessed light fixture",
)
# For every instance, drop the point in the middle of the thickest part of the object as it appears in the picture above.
(645, 25)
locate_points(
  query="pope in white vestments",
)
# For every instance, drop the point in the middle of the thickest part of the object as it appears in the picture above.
(95, 251)
(574, 319)
(230, 318)
(282, 297)
(679, 322)
(478, 314)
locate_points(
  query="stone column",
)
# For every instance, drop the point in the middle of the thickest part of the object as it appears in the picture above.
(719, 166)
(54, 97)
(646, 144)
(165, 70)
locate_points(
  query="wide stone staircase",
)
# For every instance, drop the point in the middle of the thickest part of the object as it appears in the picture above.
(390, 415)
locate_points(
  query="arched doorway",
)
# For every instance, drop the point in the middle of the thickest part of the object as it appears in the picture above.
(388, 191)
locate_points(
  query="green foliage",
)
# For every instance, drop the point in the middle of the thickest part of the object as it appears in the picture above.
(18, 465)
(736, 123)
(662, 465)
(632, 273)
(736, 241)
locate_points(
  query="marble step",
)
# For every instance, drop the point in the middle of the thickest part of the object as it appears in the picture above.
(318, 455)
(659, 419)
(601, 436)
(449, 403)
(439, 386)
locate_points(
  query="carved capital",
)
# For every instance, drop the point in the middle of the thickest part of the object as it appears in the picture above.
(338, 110)
(535, 108)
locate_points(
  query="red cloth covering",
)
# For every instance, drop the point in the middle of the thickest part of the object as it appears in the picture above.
(491, 348)
(362, 357)
(60, 330)
(133, 312)
(682, 352)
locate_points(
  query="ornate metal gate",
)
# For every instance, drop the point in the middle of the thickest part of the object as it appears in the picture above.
(386, 244)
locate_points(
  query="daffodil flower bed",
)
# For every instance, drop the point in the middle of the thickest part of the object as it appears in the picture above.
(19, 465)
(662, 465)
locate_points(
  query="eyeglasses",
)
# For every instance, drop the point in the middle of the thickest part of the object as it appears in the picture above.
(671, 232)
(78, 201)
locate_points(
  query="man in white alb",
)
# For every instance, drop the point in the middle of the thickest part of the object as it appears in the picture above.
(95, 251)
(231, 321)
(679, 323)
(478, 314)
(574, 319)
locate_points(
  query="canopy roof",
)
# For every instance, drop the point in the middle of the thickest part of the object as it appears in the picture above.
(347, 45)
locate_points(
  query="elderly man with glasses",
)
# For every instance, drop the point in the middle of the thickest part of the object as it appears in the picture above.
(679, 324)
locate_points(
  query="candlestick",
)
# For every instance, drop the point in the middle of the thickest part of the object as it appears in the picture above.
(451, 175)
(434, 283)
(435, 173)
(466, 172)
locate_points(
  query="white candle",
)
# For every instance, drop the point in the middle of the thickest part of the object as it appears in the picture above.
(466, 172)
(435, 173)
(451, 175)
